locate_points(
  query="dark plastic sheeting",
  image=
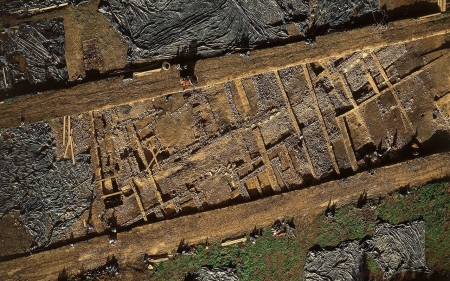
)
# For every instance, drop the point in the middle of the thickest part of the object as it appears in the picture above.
(50, 195)
(33, 53)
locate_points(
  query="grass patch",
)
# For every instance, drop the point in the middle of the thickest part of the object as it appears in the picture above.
(9, 101)
(280, 258)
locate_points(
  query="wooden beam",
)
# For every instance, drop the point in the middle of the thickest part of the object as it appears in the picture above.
(69, 140)
(64, 131)
(4, 78)
(235, 241)
(71, 148)
(112, 194)
(108, 178)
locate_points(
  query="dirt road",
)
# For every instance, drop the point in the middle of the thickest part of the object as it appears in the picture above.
(224, 223)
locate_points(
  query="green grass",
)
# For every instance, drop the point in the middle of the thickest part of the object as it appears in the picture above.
(280, 258)
(9, 101)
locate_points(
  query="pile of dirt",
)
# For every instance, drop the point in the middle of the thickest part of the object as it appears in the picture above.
(33, 53)
(214, 274)
(342, 263)
(397, 248)
(50, 195)
(160, 30)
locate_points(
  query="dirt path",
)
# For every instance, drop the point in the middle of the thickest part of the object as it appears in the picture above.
(114, 91)
(165, 236)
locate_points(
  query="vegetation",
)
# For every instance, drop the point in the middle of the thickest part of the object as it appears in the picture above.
(282, 258)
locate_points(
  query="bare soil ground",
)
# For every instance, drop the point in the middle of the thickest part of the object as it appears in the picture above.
(114, 91)
(287, 118)
(164, 237)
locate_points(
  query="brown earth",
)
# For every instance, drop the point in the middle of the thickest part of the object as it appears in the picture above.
(220, 224)
(114, 91)
(14, 238)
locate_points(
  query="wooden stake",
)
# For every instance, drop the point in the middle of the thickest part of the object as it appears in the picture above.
(4, 78)
(71, 147)
(64, 131)
(68, 126)
(69, 140)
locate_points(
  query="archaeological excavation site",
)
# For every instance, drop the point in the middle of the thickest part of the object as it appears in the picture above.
(224, 140)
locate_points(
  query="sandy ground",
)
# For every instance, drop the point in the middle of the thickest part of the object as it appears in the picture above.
(164, 237)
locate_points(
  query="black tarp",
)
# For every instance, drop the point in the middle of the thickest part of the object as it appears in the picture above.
(167, 29)
(50, 195)
(11, 6)
(33, 54)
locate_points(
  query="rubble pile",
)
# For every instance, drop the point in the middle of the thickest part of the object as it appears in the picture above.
(33, 53)
(342, 263)
(216, 274)
(397, 248)
(50, 195)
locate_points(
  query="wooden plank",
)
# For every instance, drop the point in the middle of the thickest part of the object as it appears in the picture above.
(232, 242)
(112, 194)
(4, 78)
(145, 73)
(158, 260)
(109, 178)
(429, 16)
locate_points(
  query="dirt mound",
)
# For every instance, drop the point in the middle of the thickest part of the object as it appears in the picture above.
(214, 274)
(342, 263)
(33, 54)
(398, 248)
(50, 195)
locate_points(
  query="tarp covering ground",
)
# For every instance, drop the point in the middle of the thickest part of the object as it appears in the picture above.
(11, 6)
(168, 29)
(33, 54)
(395, 248)
(50, 195)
